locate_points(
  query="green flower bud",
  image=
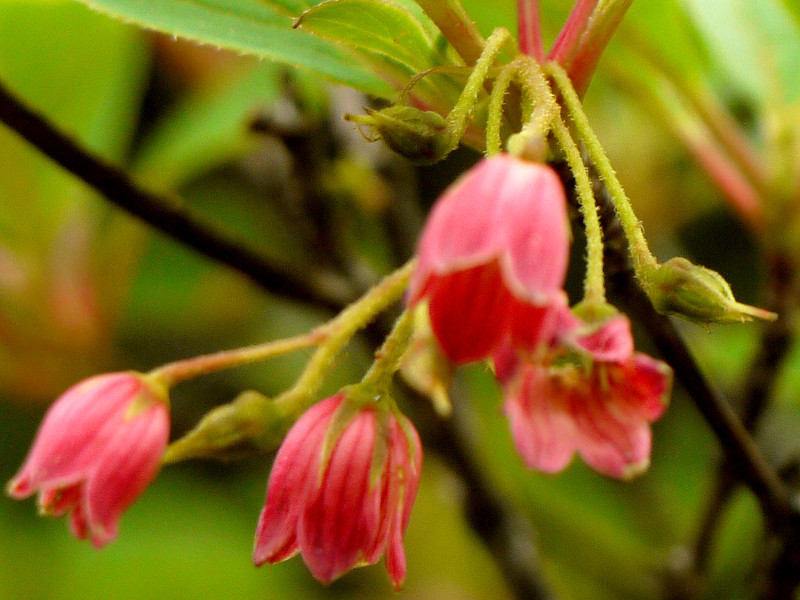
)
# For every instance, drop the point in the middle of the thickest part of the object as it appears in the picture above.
(425, 367)
(421, 136)
(251, 424)
(679, 287)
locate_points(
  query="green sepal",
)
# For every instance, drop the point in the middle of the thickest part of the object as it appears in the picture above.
(251, 424)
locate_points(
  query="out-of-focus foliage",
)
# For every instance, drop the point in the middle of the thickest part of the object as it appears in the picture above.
(84, 288)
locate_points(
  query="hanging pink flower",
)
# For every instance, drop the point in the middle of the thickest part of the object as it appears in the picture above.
(592, 395)
(98, 448)
(493, 257)
(341, 491)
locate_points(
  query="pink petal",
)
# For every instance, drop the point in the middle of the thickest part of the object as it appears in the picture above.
(612, 341)
(460, 232)
(506, 361)
(78, 523)
(127, 465)
(57, 502)
(643, 384)
(502, 209)
(412, 467)
(341, 517)
(611, 438)
(543, 431)
(296, 466)
(76, 427)
(532, 325)
(406, 464)
(533, 214)
(395, 554)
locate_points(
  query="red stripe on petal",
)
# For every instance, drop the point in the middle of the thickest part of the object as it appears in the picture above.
(469, 312)
(294, 472)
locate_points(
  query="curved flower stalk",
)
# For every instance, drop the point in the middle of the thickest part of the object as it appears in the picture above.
(589, 393)
(341, 490)
(99, 446)
(493, 258)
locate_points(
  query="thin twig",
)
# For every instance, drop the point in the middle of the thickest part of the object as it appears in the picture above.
(773, 347)
(170, 214)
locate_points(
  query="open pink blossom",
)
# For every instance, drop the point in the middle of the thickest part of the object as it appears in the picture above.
(98, 448)
(493, 257)
(599, 402)
(350, 508)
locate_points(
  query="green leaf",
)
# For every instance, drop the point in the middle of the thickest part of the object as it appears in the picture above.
(756, 44)
(376, 25)
(260, 28)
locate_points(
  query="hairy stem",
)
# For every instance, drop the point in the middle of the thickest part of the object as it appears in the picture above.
(594, 291)
(339, 331)
(643, 260)
(458, 117)
(182, 370)
(388, 356)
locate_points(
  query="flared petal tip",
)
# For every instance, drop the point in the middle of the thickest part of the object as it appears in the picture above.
(633, 470)
(396, 567)
(264, 553)
(19, 487)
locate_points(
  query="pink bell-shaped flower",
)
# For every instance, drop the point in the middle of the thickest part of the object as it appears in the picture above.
(600, 404)
(493, 257)
(341, 491)
(98, 448)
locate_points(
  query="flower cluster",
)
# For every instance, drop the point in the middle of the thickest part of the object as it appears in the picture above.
(492, 263)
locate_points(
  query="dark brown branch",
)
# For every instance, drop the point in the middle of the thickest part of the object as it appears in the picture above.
(741, 454)
(169, 214)
(740, 450)
(772, 349)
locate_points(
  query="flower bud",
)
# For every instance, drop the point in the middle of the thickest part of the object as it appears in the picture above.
(99, 446)
(341, 489)
(425, 367)
(419, 135)
(679, 287)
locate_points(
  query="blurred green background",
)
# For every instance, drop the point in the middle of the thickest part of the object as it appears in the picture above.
(85, 288)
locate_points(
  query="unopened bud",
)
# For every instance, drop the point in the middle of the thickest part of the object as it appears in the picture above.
(419, 135)
(679, 287)
(251, 424)
(425, 367)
